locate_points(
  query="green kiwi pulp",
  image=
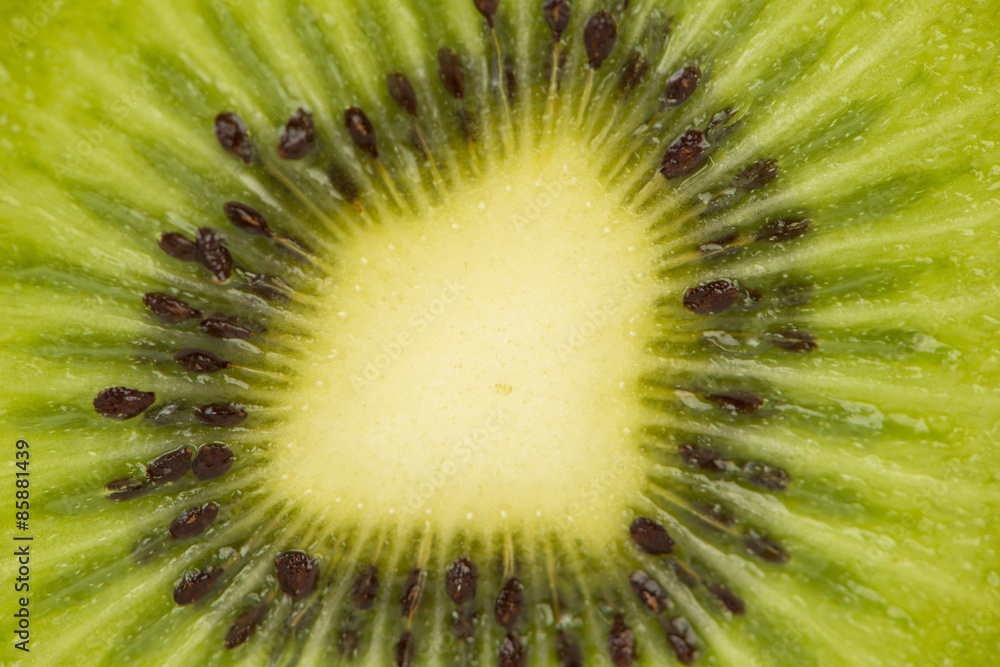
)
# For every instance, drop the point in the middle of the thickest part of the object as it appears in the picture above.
(512, 332)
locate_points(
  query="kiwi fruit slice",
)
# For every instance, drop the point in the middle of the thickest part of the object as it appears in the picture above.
(474, 332)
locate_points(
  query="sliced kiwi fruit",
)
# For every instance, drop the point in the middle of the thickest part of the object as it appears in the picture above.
(475, 332)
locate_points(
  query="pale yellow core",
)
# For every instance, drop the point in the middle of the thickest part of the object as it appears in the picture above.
(476, 367)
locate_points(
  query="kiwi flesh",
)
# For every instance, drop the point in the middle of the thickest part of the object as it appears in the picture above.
(503, 332)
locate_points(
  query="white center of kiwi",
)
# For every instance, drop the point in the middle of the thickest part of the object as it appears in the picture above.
(476, 366)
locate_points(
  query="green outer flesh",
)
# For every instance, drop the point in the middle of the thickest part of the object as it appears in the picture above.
(895, 426)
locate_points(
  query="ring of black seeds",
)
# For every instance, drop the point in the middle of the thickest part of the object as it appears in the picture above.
(297, 573)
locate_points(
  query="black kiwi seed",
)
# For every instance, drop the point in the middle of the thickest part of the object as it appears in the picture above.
(463, 624)
(451, 72)
(361, 130)
(568, 651)
(766, 477)
(246, 219)
(681, 85)
(171, 466)
(488, 8)
(557, 14)
(410, 593)
(213, 254)
(122, 402)
(405, 650)
(684, 155)
(731, 601)
(365, 588)
(220, 326)
(223, 415)
(297, 573)
(634, 70)
(702, 458)
(783, 229)
(194, 521)
(679, 638)
(168, 308)
(621, 643)
(178, 246)
(509, 603)
(766, 548)
(460, 581)
(342, 183)
(299, 137)
(196, 585)
(737, 402)
(199, 361)
(234, 136)
(126, 488)
(651, 536)
(712, 298)
(512, 653)
(756, 175)
(213, 460)
(244, 626)
(599, 37)
(402, 92)
(649, 592)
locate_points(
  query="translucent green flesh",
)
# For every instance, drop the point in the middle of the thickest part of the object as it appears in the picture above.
(883, 121)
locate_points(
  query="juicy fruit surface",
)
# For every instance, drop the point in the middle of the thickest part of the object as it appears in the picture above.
(795, 376)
